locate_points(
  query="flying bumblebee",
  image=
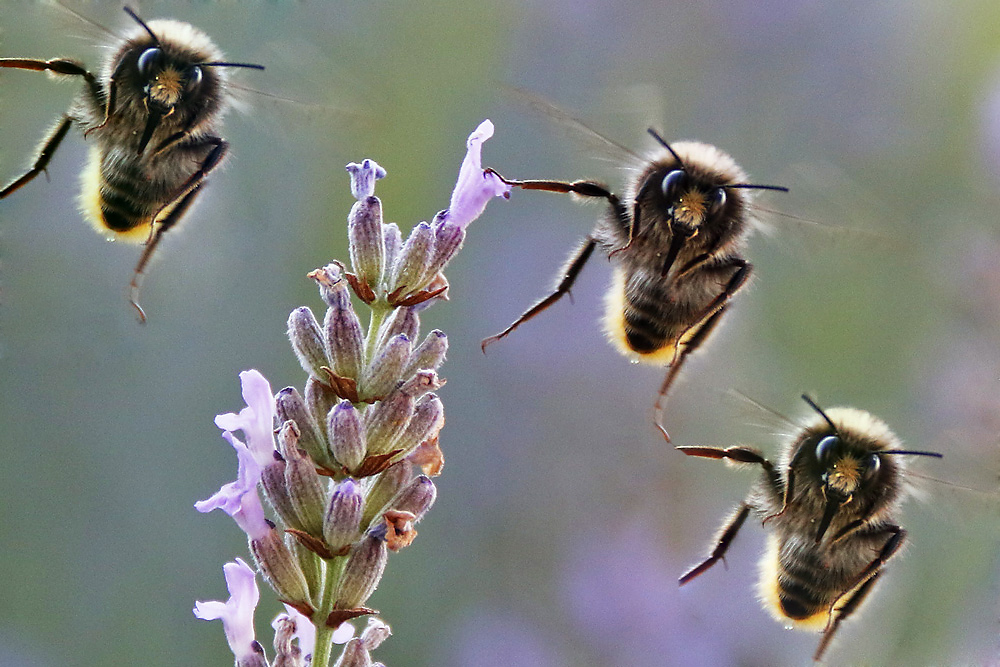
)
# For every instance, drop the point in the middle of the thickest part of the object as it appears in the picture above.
(830, 509)
(153, 115)
(676, 241)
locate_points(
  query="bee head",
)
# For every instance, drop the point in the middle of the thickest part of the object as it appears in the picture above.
(850, 457)
(172, 65)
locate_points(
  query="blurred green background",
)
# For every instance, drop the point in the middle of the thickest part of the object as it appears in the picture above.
(562, 520)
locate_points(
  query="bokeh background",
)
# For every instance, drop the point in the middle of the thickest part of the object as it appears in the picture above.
(563, 520)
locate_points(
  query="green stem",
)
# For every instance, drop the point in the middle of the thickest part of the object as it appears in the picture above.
(379, 312)
(324, 646)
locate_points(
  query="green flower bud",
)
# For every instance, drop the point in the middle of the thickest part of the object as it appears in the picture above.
(307, 340)
(386, 368)
(342, 524)
(362, 572)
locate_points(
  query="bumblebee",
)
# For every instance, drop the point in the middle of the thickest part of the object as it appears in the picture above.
(830, 510)
(153, 115)
(676, 240)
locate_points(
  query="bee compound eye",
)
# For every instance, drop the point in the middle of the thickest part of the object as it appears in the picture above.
(193, 77)
(149, 61)
(716, 200)
(673, 183)
(825, 447)
(873, 463)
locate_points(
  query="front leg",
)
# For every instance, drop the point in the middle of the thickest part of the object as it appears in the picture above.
(48, 149)
(722, 542)
(573, 268)
(703, 326)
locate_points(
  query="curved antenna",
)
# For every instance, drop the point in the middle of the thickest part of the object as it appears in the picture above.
(911, 452)
(221, 64)
(751, 186)
(812, 404)
(131, 12)
(660, 139)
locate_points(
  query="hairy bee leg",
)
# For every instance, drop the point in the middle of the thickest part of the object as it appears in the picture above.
(135, 287)
(187, 193)
(48, 149)
(582, 188)
(849, 607)
(573, 268)
(740, 455)
(706, 323)
(861, 587)
(726, 536)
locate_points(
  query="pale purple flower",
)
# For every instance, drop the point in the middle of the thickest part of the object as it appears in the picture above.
(239, 499)
(257, 419)
(363, 177)
(237, 612)
(475, 187)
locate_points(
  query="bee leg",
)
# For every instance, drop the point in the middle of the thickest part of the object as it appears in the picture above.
(573, 268)
(135, 287)
(49, 147)
(725, 538)
(740, 455)
(704, 325)
(861, 588)
(849, 607)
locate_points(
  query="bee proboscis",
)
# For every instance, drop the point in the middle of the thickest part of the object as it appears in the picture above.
(830, 509)
(153, 115)
(676, 240)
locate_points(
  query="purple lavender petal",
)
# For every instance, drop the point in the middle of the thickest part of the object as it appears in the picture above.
(305, 631)
(239, 499)
(237, 612)
(475, 187)
(257, 419)
(363, 177)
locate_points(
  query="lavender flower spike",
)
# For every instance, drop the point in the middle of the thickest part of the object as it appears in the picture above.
(363, 177)
(239, 499)
(257, 419)
(237, 612)
(475, 187)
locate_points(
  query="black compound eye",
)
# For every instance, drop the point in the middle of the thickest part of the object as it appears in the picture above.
(150, 61)
(825, 447)
(193, 77)
(716, 200)
(673, 183)
(872, 465)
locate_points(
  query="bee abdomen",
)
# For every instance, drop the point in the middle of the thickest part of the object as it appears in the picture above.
(120, 210)
(798, 597)
(645, 330)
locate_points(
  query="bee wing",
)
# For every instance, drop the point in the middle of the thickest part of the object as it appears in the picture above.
(578, 132)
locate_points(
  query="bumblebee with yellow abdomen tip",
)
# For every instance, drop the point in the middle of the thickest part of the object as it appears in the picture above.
(830, 508)
(153, 116)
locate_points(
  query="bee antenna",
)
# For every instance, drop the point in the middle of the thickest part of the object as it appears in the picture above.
(911, 452)
(218, 64)
(663, 142)
(750, 186)
(812, 404)
(131, 12)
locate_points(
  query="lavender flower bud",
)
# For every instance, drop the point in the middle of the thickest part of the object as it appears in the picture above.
(375, 633)
(363, 177)
(289, 405)
(273, 480)
(280, 568)
(307, 340)
(427, 420)
(354, 655)
(420, 383)
(416, 497)
(410, 268)
(366, 243)
(343, 333)
(342, 524)
(362, 571)
(347, 435)
(320, 399)
(429, 354)
(448, 239)
(302, 482)
(384, 372)
(386, 486)
(386, 420)
(393, 242)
